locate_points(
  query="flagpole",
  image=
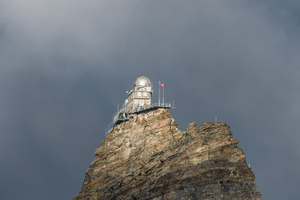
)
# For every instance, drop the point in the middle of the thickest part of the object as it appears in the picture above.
(164, 97)
(159, 93)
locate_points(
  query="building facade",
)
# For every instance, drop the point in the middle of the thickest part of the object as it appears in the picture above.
(140, 95)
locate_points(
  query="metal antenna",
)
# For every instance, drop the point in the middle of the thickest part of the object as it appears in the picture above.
(163, 96)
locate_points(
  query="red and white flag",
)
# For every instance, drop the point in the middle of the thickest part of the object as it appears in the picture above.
(162, 84)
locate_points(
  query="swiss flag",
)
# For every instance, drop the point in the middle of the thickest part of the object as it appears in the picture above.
(162, 84)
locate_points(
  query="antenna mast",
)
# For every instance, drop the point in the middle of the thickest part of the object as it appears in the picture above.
(159, 93)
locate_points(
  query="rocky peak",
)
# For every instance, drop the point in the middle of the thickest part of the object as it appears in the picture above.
(147, 157)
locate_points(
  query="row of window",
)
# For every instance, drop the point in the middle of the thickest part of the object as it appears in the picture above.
(141, 102)
(144, 94)
(147, 88)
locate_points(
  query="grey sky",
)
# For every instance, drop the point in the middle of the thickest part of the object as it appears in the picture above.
(64, 67)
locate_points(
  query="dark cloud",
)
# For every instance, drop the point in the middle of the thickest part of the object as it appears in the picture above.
(66, 65)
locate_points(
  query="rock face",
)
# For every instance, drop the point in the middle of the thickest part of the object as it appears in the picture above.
(147, 157)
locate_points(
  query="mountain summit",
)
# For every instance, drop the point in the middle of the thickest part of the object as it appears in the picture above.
(147, 157)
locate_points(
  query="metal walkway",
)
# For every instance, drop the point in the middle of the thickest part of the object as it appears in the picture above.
(123, 116)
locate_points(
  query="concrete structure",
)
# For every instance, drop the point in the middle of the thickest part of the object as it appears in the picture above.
(140, 95)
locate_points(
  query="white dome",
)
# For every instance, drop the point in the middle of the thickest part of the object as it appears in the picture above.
(142, 81)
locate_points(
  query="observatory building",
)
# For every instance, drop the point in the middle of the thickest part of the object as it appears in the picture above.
(140, 95)
(138, 100)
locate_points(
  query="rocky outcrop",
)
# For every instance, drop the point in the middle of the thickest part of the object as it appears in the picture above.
(147, 157)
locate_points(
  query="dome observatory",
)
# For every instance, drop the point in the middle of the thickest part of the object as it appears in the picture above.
(141, 94)
(142, 81)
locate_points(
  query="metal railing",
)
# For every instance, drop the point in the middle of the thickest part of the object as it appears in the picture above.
(116, 118)
(123, 109)
(154, 105)
(109, 128)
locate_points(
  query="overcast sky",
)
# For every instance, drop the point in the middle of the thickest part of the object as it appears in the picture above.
(65, 65)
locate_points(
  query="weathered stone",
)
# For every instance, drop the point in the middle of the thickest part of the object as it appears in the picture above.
(147, 157)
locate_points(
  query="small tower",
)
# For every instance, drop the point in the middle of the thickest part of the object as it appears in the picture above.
(140, 95)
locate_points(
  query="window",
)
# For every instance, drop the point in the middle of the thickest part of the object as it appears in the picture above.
(136, 101)
(145, 94)
(139, 93)
(148, 101)
(141, 102)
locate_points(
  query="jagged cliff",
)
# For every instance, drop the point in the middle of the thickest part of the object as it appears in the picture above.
(147, 157)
